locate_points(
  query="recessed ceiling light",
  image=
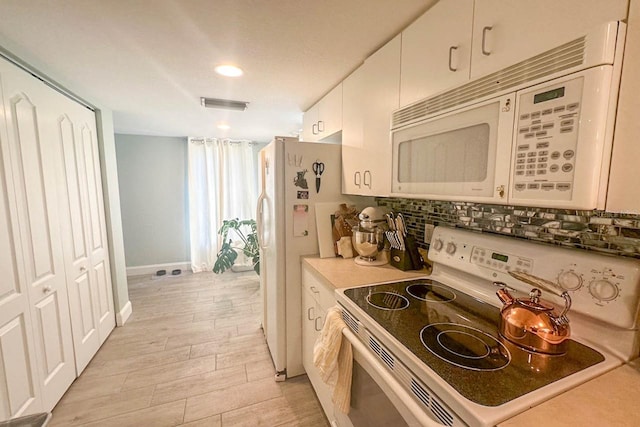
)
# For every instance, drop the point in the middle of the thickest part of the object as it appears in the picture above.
(223, 126)
(228, 70)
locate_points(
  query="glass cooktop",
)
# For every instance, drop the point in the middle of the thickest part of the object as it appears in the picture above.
(457, 336)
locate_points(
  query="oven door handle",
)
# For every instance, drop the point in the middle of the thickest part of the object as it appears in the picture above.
(390, 382)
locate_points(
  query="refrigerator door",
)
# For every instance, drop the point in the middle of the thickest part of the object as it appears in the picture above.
(270, 220)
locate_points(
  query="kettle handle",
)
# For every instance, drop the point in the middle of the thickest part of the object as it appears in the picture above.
(547, 285)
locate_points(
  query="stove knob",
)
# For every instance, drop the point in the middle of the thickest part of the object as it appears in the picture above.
(603, 290)
(437, 245)
(570, 281)
(451, 248)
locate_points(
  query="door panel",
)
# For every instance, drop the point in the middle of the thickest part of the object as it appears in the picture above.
(29, 108)
(16, 372)
(48, 321)
(82, 293)
(35, 227)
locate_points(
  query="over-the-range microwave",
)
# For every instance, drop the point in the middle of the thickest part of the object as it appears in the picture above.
(538, 133)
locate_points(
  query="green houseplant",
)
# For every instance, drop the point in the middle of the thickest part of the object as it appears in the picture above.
(249, 244)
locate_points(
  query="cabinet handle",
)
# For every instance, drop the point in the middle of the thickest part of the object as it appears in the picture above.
(320, 126)
(83, 269)
(314, 289)
(314, 129)
(316, 324)
(309, 315)
(367, 184)
(356, 178)
(451, 67)
(484, 40)
(46, 289)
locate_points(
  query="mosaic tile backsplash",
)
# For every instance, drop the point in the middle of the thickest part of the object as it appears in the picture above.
(616, 234)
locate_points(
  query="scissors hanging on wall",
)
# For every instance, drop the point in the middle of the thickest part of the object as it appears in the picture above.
(318, 169)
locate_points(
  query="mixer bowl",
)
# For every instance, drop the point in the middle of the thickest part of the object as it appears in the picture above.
(368, 243)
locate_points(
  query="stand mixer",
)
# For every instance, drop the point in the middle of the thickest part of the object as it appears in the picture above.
(368, 237)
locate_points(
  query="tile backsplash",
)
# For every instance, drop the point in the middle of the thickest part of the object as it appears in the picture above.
(617, 234)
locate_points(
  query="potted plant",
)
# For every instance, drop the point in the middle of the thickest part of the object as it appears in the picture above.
(248, 244)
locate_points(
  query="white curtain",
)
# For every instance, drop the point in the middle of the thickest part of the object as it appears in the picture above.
(222, 185)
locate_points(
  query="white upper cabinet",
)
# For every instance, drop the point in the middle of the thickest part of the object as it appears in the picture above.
(507, 32)
(371, 93)
(324, 119)
(436, 50)
(460, 40)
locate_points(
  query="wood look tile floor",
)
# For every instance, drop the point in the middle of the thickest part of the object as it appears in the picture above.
(192, 354)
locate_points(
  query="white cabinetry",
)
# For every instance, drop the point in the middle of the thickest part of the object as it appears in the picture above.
(370, 94)
(41, 313)
(436, 50)
(317, 298)
(324, 119)
(508, 32)
(458, 40)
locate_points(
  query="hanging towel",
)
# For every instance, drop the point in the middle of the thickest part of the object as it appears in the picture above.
(333, 356)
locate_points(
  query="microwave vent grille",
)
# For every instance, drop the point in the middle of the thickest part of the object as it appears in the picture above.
(561, 58)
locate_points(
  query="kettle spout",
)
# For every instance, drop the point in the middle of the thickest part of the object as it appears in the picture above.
(503, 293)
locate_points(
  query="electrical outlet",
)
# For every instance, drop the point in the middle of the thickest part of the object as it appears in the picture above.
(428, 232)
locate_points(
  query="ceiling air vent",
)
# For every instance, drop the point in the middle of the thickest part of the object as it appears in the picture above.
(225, 104)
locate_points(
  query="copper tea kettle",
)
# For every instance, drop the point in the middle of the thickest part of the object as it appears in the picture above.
(531, 324)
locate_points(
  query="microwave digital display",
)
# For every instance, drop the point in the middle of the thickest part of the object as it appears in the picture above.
(548, 95)
(500, 257)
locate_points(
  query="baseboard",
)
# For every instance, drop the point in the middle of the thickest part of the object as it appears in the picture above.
(140, 270)
(123, 315)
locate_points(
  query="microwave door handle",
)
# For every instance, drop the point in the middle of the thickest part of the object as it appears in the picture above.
(485, 30)
(451, 67)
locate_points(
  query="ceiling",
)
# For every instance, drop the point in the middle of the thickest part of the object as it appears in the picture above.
(150, 61)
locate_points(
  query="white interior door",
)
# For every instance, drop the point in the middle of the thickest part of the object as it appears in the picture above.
(98, 249)
(18, 376)
(83, 293)
(31, 145)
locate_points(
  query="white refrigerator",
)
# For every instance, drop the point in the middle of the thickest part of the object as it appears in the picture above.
(286, 231)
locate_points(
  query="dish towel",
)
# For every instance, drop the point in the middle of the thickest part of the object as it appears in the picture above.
(333, 356)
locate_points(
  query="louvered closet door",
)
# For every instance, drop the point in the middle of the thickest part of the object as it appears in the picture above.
(31, 131)
(19, 387)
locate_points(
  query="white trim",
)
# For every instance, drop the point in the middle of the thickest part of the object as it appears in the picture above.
(139, 270)
(123, 315)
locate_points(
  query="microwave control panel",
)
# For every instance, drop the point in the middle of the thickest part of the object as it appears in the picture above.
(546, 142)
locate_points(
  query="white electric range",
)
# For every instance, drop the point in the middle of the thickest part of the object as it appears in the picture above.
(432, 345)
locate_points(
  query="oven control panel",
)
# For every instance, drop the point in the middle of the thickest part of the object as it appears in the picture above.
(601, 286)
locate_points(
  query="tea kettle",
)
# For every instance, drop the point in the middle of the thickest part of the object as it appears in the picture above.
(531, 324)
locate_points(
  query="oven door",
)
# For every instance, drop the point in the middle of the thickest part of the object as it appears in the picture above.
(377, 399)
(461, 155)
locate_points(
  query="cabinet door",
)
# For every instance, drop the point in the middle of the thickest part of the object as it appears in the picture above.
(506, 32)
(330, 113)
(436, 50)
(18, 369)
(382, 84)
(353, 90)
(310, 124)
(32, 152)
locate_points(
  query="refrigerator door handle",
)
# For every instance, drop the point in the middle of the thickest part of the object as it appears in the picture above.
(259, 221)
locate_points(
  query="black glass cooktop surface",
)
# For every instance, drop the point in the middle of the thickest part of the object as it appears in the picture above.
(457, 336)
